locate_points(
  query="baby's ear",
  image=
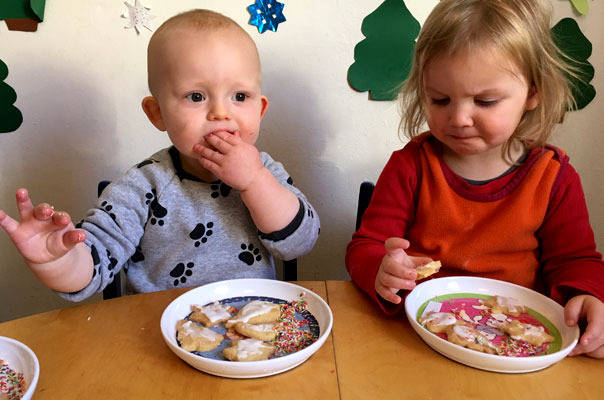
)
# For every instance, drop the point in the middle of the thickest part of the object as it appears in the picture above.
(151, 108)
(264, 101)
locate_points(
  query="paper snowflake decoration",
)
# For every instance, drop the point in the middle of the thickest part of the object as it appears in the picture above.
(139, 16)
(266, 14)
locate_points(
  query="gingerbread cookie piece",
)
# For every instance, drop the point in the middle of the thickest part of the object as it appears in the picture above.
(424, 271)
(469, 337)
(248, 350)
(438, 322)
(211, 314)
(266, 332)
(194, 337)
(505, 305)
(256, 312)
(531, 334)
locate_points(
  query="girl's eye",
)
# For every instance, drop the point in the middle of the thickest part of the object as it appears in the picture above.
(486, 103)
(239, 97)
(196, 97)
(440, 102)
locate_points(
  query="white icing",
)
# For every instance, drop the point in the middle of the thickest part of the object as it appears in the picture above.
(193, 330)
(508, 302)
(215, 311)
(249, 346)
(440, 318)
(252, 309)
(261, 327)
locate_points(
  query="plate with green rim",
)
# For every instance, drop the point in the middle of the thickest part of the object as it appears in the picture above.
(546, 311)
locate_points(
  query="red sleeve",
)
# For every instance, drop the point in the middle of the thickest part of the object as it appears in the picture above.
(390, 212)
(569, 260)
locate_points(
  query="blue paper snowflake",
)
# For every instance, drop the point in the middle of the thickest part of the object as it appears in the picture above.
(266, 14)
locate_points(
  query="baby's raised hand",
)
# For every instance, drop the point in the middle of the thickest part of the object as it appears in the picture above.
(591, 343)
(234, 161)
(43, 235)
(397, 270)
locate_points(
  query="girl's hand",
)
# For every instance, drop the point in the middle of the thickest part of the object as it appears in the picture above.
(43, 235)
(591, 309)
(397, 270)
(234, 161)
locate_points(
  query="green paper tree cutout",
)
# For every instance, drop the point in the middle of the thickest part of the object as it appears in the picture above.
(570, 40)
(581, 6)
(11, 116)
(384, 58)
(22, 15)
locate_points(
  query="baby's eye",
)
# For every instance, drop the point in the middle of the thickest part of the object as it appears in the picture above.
(196, 97)
(486, 103)
(239, 97)
(440, 102)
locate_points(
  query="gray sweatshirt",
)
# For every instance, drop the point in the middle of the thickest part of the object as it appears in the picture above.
(168, 229)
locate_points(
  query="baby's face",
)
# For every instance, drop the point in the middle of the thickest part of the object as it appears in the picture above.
(209, 82)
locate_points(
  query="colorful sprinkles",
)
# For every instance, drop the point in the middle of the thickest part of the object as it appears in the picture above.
(294, 327)
(12, 383)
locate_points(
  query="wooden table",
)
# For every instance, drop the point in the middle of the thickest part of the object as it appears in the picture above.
(113, 349)
(381, 357)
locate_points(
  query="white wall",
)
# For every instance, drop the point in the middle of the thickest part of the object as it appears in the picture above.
(81, 76)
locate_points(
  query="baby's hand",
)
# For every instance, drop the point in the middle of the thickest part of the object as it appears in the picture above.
(43, 235)
(397, 270)
(591, 308)
(234, 161)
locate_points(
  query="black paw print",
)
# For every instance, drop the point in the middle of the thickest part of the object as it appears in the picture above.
(156, 211)
(146, 162)
(309, 211)
(138, 255)
(180, 272)
(220, 189)
(112, 263)
(107, 208)
(201, 232)
(96, 260)
(290, 180)
(249, 254)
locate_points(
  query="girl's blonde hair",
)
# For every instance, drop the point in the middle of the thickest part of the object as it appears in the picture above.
(518, 30)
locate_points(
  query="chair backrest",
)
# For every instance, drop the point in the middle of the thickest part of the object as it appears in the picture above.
(114, 289)
(365, 193)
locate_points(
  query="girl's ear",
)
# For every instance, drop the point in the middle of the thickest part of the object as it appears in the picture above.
(264, 101)
(532, 99)
(151, 108)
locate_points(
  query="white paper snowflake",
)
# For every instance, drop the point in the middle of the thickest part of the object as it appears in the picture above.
(139, 16)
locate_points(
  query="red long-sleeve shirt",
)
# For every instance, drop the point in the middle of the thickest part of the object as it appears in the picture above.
(529, 227)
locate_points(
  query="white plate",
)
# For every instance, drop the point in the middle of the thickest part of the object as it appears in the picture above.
(21, 359)
(181, 307)
(539, 303)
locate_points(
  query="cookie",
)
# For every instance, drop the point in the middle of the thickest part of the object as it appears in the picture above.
(424, 271)
(194, 337)
(256, 312)
(211, 314)
(438, 322)
(532, 334)
(469, 337)
(505, 305)
(248, 350)
(266, 332)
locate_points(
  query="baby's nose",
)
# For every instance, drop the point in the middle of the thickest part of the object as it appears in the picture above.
(218, 110)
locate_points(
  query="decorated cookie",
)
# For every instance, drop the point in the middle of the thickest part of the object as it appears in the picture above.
(256, 312)
(210, 315)
(437, 322)
(194, 337)
(505, 305)
(532, 334)
(266, 332)
(248, 350)
(469, 337)
(424, 271)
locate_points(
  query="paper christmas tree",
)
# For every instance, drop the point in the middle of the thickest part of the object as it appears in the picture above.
(11, 116)
(22, 15)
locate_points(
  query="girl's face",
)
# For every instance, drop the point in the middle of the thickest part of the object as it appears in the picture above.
(473, 103)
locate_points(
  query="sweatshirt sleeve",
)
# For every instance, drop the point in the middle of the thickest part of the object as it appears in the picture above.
(390, 212)
(569, 260)
(300, 236)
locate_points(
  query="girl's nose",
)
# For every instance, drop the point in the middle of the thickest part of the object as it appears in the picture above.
(218, 111)
(461, 116)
